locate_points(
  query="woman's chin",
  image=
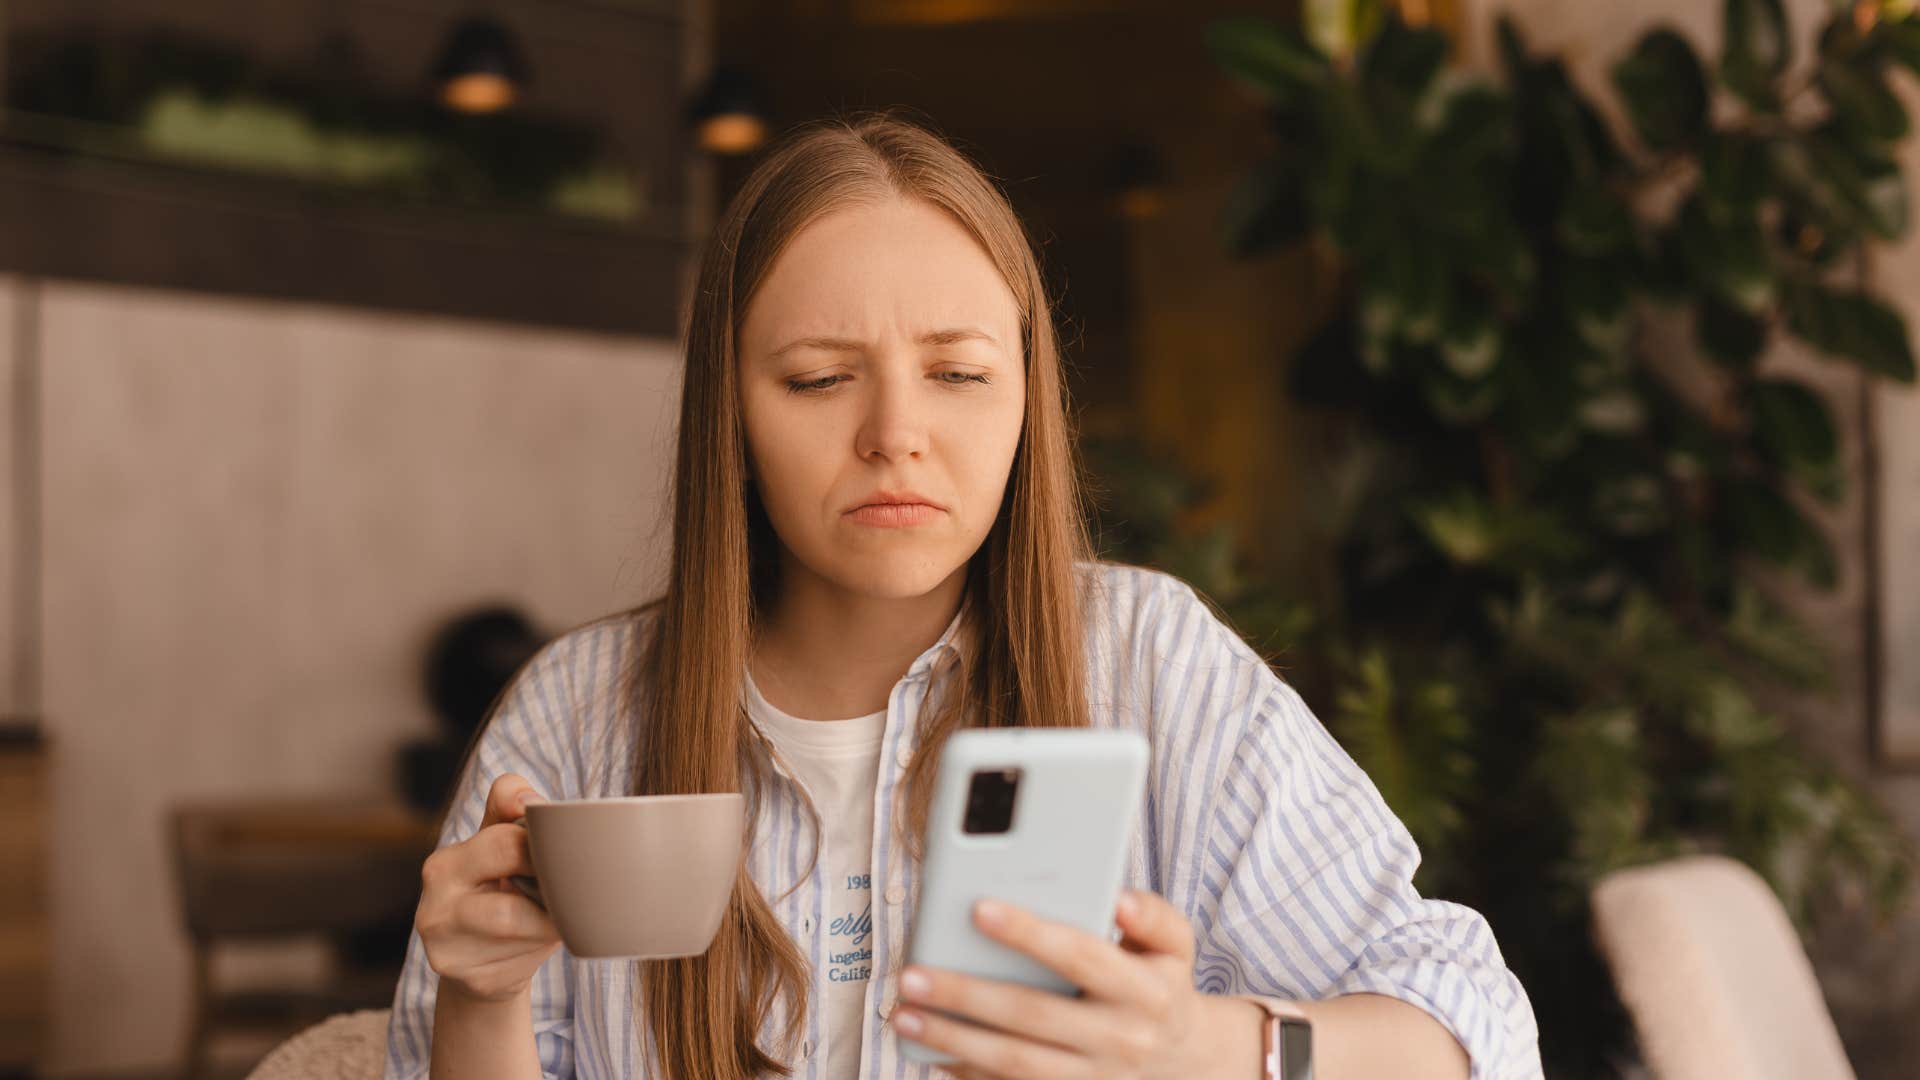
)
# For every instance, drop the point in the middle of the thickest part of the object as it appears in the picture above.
(895, 575)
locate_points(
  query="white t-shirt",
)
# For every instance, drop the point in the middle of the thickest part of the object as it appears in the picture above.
(838, 762)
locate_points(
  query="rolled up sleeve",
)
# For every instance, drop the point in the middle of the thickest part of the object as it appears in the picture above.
(1306, 890)
(528, 735)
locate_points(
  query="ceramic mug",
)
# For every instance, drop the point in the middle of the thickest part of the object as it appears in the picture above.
(637, 876)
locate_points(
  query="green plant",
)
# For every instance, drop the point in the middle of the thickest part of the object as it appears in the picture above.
(162, 94)
(1581, 470)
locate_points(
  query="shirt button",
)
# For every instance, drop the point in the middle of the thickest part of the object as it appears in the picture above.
(904, 755)
(886, 1001)
(896, 893)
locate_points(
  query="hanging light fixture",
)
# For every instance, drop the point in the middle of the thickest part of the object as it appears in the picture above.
(727, 116)
(481, 68)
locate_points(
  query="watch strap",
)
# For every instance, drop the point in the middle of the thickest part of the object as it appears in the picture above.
(1286, 1039)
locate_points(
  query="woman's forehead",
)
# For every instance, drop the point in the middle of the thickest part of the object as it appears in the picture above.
(909, 271)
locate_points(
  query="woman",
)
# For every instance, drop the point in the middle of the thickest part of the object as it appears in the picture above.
(877, 540)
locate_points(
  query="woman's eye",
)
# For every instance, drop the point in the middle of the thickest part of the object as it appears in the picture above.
(812, 386)
(827, 382)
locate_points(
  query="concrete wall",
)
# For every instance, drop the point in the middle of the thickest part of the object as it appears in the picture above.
(252, 516)
(13, 438)
(1896, 430)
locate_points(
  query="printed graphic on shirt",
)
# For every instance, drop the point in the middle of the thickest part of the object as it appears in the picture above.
(850, 934)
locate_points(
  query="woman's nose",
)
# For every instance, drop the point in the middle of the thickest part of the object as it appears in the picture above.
(895, 425)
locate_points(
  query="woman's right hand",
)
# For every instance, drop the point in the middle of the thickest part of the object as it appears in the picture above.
(483, 937)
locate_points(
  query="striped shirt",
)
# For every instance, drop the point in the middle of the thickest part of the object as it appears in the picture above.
(1296, 877)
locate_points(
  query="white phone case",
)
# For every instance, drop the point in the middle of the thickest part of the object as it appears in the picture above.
(1063, 857)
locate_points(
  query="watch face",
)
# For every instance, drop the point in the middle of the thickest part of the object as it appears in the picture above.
(1296, 1050)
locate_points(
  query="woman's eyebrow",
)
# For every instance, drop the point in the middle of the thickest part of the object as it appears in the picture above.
(947, 336)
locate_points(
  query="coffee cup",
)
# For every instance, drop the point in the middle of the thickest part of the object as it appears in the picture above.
(639, 876)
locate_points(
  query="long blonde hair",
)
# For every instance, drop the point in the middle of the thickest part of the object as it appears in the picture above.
(1022, 608)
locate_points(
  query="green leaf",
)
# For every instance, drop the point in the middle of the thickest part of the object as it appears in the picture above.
(1592, 765)
(1463, 528)
(1851, 325)
(1272, 60)
(1867, 186)
(1729, 254)
(1863, 102)
(1471, 531)
(1377, 324)
(1665, 90)
(1544, 397)
(1768, 525)
(1812, 234)
(1513, 48)
(1499, 255)
(1733, 171)
(1828, 483)
(1615, 411)
(1841, 184)
(1209, 562)
(1459, 402)
(1594, 221)
(1770, 635)
(1725, 717)
(1565, 125)
(1596, 297)
(1757, 49)
(1416, 281)
(1399, 65)
(1339, 27)
(1901, 40)
(1631, 505)
(1471, 126)
(1470, 337)
(1728, 335)
(1413, 740)
(1793, 428)
(1266, 210)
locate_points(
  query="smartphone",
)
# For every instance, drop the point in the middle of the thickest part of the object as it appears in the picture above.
(1037, 817)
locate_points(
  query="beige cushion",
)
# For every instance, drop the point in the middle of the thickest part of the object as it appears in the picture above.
(350, 1046)
(1714, 975)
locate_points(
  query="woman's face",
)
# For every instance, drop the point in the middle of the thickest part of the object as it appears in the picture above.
(881, 358)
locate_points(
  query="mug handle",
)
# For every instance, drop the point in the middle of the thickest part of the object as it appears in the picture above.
(528, 885)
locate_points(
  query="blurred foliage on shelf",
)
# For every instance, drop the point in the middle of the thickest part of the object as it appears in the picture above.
(1565, 488)
(165, 95)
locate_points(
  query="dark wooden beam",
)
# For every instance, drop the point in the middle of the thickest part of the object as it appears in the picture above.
(147, 225)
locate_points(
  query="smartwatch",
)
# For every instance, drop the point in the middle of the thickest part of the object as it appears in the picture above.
(1286, 1043)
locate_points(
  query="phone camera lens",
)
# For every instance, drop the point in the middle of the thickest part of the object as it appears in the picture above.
(990, 799)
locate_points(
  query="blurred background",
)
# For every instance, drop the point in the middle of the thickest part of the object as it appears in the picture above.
(1531, 380)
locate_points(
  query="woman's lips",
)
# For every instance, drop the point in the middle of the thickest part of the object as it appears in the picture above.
(894, 515)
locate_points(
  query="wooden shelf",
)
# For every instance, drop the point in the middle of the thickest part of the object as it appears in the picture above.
(137, 223)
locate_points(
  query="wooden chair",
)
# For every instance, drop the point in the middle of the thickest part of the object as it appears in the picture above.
(1714, 975)
(290, 869)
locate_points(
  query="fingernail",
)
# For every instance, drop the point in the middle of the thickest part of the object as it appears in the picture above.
(1129, 907)
(906, 1021)
(914, 983)
(529, 799)
(990, 912)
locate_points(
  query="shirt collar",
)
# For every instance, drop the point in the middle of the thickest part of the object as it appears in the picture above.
(947, 650)
(951, 643)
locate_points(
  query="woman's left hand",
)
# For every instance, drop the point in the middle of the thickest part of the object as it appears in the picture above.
(1140, 1018)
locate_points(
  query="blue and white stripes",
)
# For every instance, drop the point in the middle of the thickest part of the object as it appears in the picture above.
(1295, 874)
